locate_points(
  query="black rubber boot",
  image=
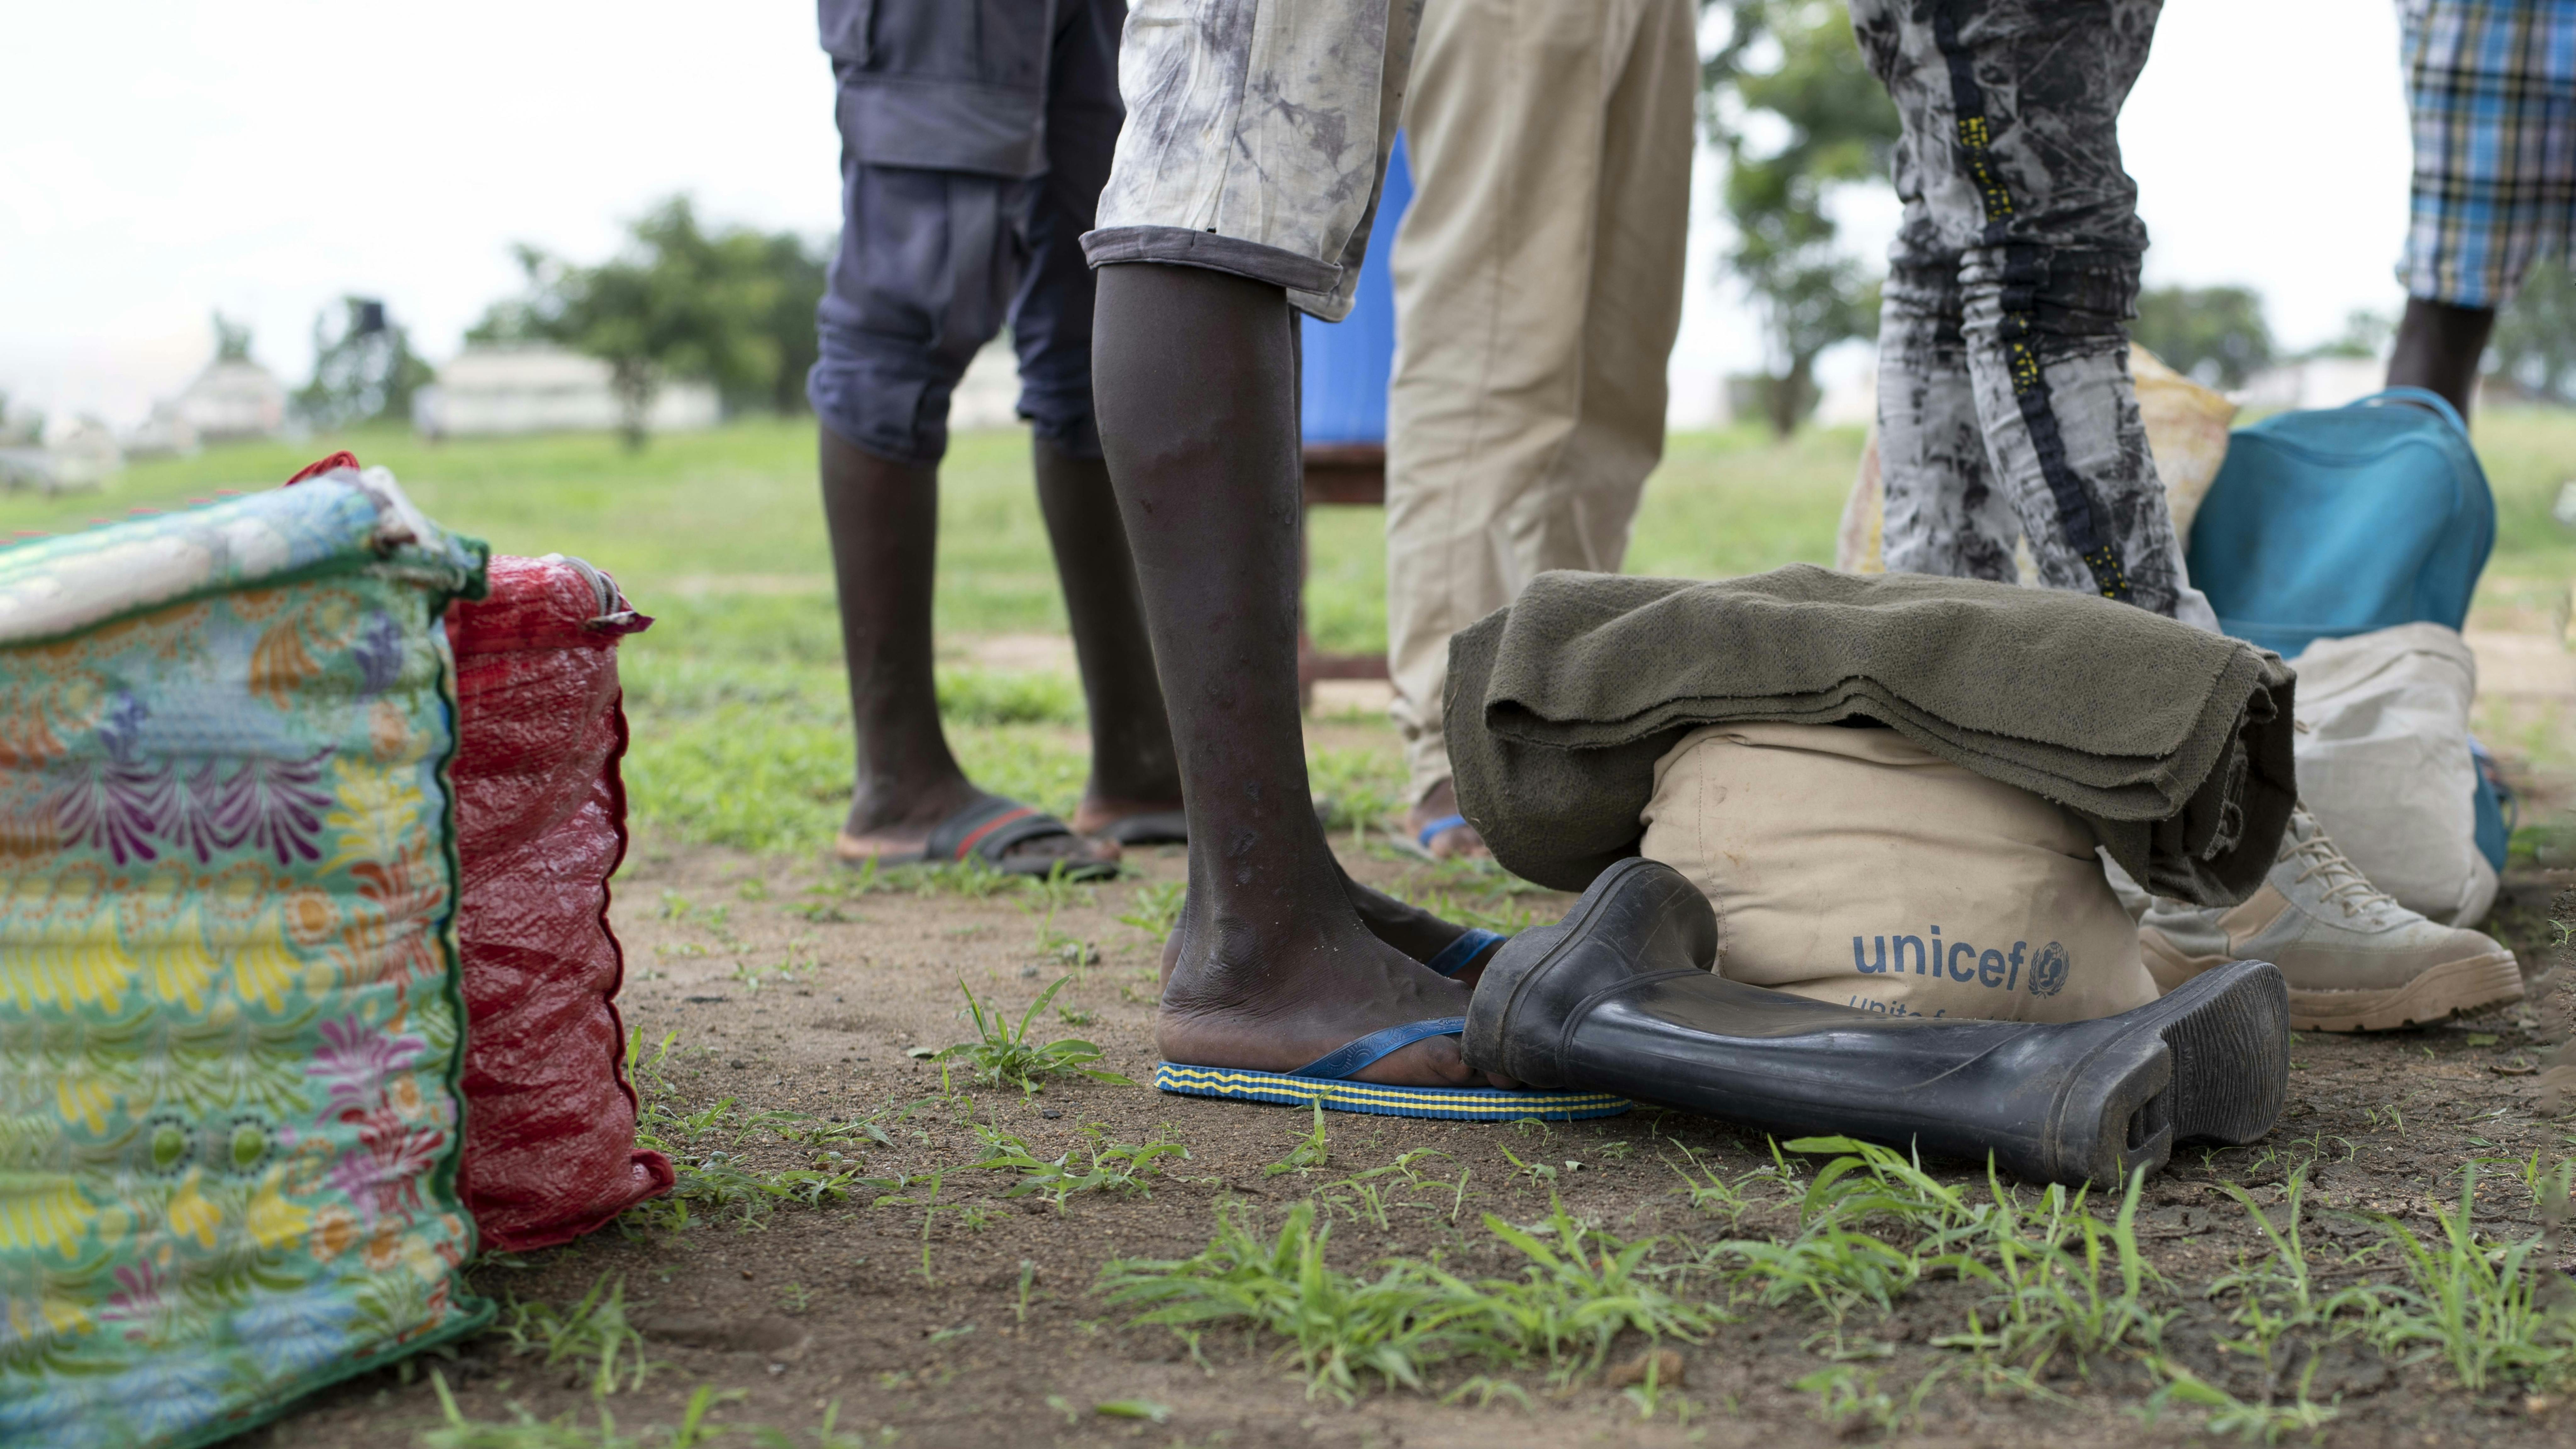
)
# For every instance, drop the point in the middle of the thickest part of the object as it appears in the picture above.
(1619, 997)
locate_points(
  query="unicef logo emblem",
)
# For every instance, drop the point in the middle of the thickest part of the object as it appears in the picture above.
(2048, 973)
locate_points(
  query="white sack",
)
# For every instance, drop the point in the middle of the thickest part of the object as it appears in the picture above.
(2383, 751)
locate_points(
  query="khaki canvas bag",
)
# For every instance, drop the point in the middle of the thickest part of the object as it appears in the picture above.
(1855, 866)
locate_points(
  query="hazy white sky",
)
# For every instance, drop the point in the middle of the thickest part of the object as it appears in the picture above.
(158, 160)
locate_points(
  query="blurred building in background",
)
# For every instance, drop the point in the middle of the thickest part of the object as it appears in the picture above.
(489, 391)
(57, 458)
(233, 399)
(2312, 382)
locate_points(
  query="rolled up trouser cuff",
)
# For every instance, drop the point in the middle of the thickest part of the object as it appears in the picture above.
(896, 412)
(1179, 246)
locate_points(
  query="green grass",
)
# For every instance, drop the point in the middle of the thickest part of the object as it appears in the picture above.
(1578, 1290)
(2488, 1310)
(1114, 1167)
(1005, 1053)
(714, 1181)
(740, 717)
(593, 1334)
(524, 1431)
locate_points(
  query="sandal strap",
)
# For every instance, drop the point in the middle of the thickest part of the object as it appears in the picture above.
(1437, 828)
(1342, 1061)
(1466, 951)
(988, 828)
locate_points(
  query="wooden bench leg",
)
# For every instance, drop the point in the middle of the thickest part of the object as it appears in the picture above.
(1346, 474)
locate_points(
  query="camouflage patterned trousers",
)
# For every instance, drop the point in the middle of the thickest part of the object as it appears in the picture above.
(2005, 407)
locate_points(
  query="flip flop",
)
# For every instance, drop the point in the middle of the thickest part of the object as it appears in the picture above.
(1466, 951)
(987, 830)
(1419, 843)
(1151, 827)
(1325, 1080)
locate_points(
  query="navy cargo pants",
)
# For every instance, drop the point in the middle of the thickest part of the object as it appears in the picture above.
(975, 138)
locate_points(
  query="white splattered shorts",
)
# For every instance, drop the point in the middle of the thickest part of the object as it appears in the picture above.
(1256, 139)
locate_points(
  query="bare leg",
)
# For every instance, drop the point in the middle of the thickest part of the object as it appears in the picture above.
(1193, 374)
(1133, 769)
(2438, 349)
(884, 521)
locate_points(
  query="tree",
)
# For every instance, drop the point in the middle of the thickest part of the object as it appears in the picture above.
(2215, 335)
(1798, 113)
(365, 373)
(2534, 346)
(2365, 334)
(735, 307)
(232, 340)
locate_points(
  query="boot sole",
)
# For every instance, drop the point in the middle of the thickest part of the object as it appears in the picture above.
(2441, 992)
(2445, 991)
(2229, 1033)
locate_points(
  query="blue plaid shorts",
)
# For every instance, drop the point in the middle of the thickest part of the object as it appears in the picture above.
(2491, 86)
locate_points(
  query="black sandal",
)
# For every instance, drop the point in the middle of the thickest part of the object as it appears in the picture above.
(988, 829)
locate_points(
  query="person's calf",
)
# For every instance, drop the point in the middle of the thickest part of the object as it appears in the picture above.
(882, 516)
(1195, 384)
(1134, 769)
(2438, 349)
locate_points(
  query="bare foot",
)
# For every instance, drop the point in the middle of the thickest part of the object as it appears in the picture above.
(1418, 933)
(1163, 821)
(1274, 1005)
(1410, 929)
(1458, 842)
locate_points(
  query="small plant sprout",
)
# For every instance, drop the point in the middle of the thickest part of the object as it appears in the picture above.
(2280, 1296)
(1154, 909)
(1041, 901)
(1310, 1152)
(930, 1207)
(2487, 1309)
(1848, 1397)
(1114, 1166)
(2266, 1422)
(796, 967)
(592, 1334)
(1003, 1054)
(2050, 1297)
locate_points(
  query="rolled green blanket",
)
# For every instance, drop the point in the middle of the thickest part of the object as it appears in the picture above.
(2172, 744)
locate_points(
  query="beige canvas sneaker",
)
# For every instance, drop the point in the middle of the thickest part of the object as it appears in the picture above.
(2355, 959)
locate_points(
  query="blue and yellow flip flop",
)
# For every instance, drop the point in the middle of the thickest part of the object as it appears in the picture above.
(1326, 1080)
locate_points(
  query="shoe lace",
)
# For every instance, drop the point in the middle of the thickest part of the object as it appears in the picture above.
(2343, 883)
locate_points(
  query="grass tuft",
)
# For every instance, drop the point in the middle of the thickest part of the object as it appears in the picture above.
(2485, 1308)
(593, 1332)
(1004, 1054)
(1578, 1291)
(1114, 1166)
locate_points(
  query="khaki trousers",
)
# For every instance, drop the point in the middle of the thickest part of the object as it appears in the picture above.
(1538, 285)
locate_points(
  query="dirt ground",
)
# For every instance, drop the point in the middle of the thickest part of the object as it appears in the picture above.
(983, 1327)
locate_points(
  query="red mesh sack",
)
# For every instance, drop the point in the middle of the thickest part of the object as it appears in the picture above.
(541, 824)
